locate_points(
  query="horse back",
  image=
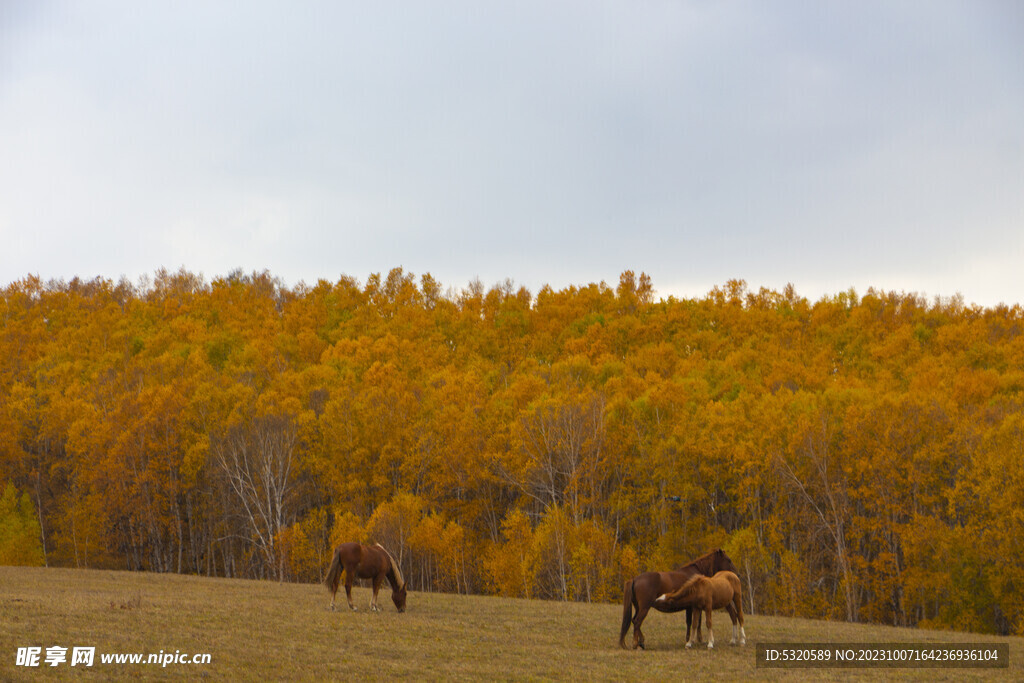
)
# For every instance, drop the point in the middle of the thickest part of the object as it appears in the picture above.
(726, 585)
(729, 577)
(365, 562)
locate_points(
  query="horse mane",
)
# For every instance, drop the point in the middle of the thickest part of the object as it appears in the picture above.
(705, 564)
(394, 567)
(688, 588)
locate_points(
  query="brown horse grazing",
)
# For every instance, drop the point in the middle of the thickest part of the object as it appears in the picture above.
(641, 593)
(721, 591)
(365, 562)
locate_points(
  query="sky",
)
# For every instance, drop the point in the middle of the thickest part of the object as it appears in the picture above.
(831, 145)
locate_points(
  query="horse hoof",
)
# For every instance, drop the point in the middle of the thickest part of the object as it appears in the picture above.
(689, 645)
(711, 646)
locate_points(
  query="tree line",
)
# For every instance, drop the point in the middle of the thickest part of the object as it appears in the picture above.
(860, 457)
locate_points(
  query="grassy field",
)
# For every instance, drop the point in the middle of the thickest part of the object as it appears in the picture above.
(268, 631)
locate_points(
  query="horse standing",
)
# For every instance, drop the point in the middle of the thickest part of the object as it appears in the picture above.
(640, 593)
(721, 591)
(365, 562)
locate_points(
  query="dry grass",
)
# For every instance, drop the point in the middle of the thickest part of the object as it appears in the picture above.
(267, 631)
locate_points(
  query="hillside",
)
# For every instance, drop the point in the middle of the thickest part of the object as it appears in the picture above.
(260, 630)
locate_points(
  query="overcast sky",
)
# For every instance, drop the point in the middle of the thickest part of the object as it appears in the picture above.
(828, 144)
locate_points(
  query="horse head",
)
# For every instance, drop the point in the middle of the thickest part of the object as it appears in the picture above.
(398, 597)
(398, 588)
(722, 562)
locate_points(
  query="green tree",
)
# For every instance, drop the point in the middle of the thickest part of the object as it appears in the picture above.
(20, 542)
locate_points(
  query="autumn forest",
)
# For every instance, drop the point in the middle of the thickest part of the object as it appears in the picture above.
(860, 457)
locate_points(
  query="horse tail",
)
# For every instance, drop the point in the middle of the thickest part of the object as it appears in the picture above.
(334, 573)
(627, 611)
(737, 596)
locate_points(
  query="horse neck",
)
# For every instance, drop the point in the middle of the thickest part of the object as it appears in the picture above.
(392, 579)
(704, 565)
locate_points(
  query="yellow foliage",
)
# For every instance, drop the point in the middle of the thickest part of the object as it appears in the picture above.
(858, 457)
(347, 528)
(507, 566)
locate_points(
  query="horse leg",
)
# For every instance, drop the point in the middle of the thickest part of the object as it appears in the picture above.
(690, 614)
(731, 609)
(694, 636)
(738, 602)
(377, 580)
(641, 614)
(348, 588)
(711, 633)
